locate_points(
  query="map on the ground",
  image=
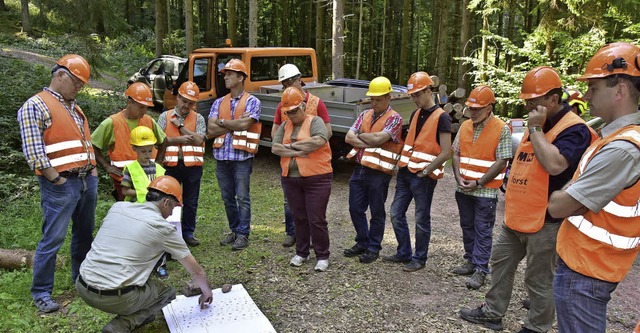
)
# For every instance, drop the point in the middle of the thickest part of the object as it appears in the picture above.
(233, 312)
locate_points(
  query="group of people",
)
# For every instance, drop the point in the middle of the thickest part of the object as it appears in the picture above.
(564, 195)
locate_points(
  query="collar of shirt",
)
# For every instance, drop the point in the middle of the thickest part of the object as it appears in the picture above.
(380, 115)
(55, 94)
(177, 115)
(550, 122)
(238, 97)
(615, 125)
(431, 109)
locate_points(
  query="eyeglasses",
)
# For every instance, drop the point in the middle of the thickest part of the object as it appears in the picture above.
(477, 109)
(76, 83)
(534, 101)
(292, 112)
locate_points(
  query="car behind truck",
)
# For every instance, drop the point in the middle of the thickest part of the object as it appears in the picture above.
(345, 99)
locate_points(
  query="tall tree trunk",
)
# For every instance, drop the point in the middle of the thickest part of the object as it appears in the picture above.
(406, 13)
(168, 27)
(485, 47)
(510, 25)
(319, 39)
(3, 7)
(231, 21)
(464, 39)
(359, 54)
(384, 32)
(284, 22)
(188, 22)
(129, 13)
(496, 61)
(432, 56)
(26, 21)
(337, 49)
(307, 37)
(160, 19)
(253, 23)
(443, 46)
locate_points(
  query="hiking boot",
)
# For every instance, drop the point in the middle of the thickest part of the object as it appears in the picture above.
(116, 325)
(289, 241)
(228, 239)
(162, 273)
(476, 280)
(526, 303)
(465, 269)
(297, 260)
(395, 259)
(368, 257)
(413, 266)
(46, 304)
(477, 316)
(354, 251)
(322, 265)
(192, 241)
(240, 243)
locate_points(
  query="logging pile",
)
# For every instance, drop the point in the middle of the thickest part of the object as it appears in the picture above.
(452, 103)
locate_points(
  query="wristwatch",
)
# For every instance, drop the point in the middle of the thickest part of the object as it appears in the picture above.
(180, 126)
(534, 129)
(221, 122)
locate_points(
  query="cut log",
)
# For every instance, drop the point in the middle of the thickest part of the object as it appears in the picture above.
(447, 108)
(442, 89)
(436, 80)
(16, 258)
(458, 93)
(455, 127)
(457, 107)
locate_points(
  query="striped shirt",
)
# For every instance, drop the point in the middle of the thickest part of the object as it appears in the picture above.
(34, 118)
(227, 152)
(393, 126)
(503, 152)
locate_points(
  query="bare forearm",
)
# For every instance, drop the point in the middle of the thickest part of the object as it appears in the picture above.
(284, 150)
(310, 144)
(241, 124)
(375, 139)
(561, 205)
(548, 155)
(495, 169)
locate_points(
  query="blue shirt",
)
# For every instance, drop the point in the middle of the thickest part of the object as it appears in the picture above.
(227, 152)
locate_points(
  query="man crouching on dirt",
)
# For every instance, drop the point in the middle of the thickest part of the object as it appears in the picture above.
(115, 275)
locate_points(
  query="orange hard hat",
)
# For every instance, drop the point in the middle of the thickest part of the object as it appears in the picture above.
(480, 97)
(189, 90)
(235, 65)
(291, 99)
(76, 65)
(418, 81)
(140, 93)
(539, 81)
(167, 185)
(615, 58)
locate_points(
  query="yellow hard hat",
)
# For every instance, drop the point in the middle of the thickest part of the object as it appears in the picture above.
(379, 86)
(142, 136)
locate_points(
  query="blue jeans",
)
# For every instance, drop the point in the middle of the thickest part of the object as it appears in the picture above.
(289, 226)
(477, 218)
(368, 189)
(411, 187)
(189, 177)
(234, 178)
(581, 301)
(74, 200)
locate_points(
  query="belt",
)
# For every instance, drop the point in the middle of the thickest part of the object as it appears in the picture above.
(79, 174)
(112, 292)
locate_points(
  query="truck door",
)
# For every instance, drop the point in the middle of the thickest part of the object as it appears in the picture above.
(201, 67)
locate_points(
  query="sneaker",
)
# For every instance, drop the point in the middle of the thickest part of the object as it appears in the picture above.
(228, 239)
(322, 265)
(162, 273)
(297, 260)
(368, 257)
(477, 316)
(46, 304)
(240, 243)
(395, 259)
(413, 266)
(354, 251)
(192, 241)
(526, 303)
(466, 269)
(289, 241)
(476, 280)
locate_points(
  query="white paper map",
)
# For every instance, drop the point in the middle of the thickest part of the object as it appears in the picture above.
(233, 312)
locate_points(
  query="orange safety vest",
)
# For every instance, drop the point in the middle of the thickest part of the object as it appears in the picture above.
(476, 158)
(192, 155)
(317, 162)
(312, 107)
(604, 245)
(385, 157)
(527, 199)
(637, 329)
(122, 154)
(248, 140)
(66, 147)
(419, 151)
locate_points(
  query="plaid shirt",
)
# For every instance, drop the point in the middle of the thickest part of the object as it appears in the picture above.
(34, 118)
(227, 152)
(393, 126)
(503, 151)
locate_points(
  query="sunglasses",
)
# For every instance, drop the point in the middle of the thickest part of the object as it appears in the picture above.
(292, 112)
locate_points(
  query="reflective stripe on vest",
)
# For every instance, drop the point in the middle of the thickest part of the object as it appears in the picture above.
(140, 180)
(247, 140)
(602, 235)
(65, 145)
(385, 157)
(422, 148)
(191, 155)
(121, 154)
(477, 157)
(317, 162)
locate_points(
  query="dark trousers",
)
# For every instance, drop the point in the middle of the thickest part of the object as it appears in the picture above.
(189, 177)
(289, 226)
(308, 199)
(477, 218)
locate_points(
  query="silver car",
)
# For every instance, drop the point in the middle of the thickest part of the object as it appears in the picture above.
(160, 74)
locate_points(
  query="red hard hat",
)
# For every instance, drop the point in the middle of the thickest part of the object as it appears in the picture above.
(539, 81)
(418, 81)
(235, 65)
(291, 99)
(189, 90)
(140, 93)
(480, 97)
(77, 65)
(615, 58)
(167, 185)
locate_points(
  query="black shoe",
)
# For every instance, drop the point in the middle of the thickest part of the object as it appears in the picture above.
(192, 241)
(464, 269)
(526, 330)
(240, 243)
(355, 251)
(476, 280)
(395, 259)
(413, 266)
(526, 303)
(368, 257)
(477, 316)
(228, 239)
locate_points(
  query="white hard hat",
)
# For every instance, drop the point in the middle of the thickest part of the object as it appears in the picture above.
(287, 71)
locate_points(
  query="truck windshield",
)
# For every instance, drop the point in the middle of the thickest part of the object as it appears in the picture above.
(266, 68)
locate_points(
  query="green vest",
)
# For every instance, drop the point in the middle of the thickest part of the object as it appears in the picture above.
(140, 180)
